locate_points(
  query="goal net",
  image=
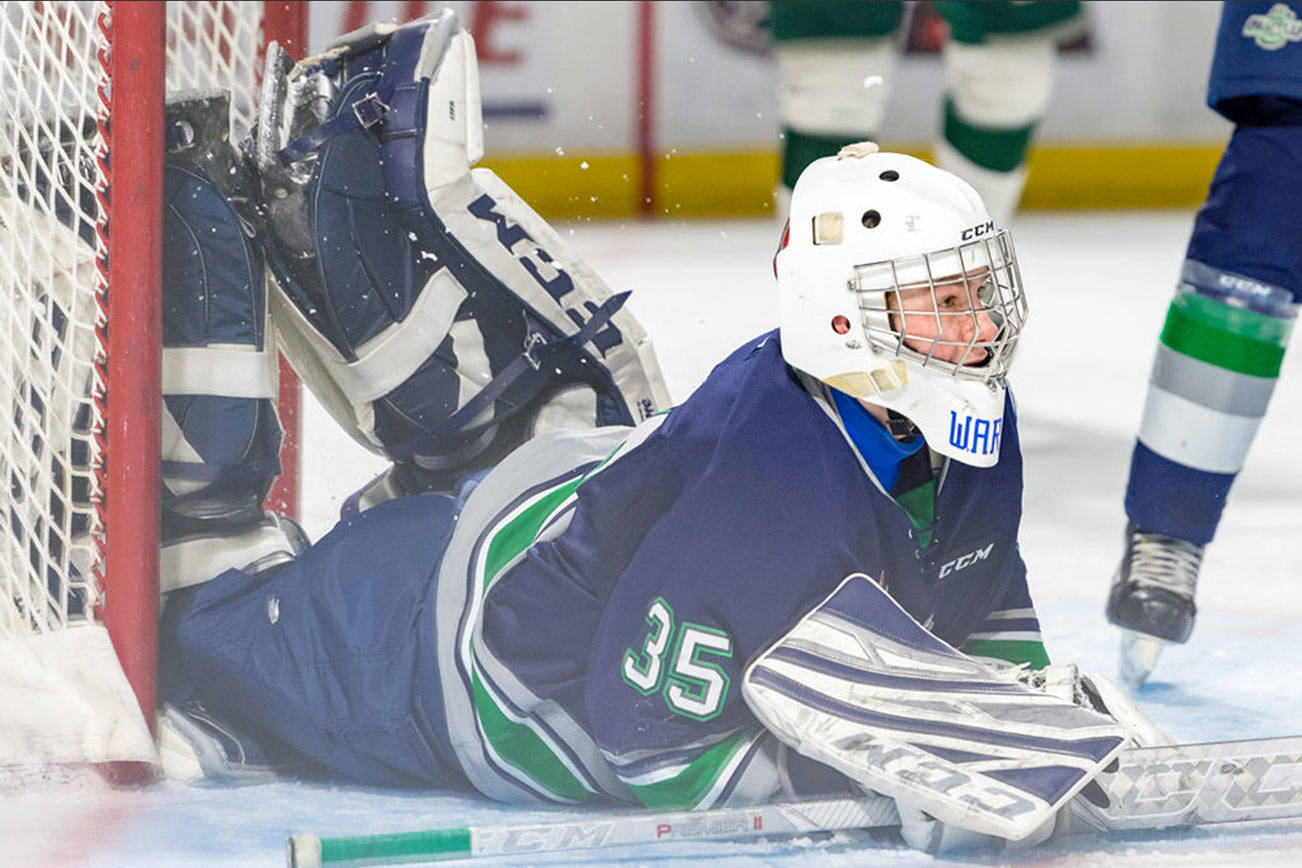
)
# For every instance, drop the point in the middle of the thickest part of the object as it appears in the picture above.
(67, 373)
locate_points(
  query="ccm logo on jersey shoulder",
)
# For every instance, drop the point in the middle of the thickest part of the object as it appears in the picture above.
(977, 231)
(962, 562)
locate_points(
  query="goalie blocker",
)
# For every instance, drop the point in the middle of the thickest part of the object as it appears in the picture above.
(859, 685)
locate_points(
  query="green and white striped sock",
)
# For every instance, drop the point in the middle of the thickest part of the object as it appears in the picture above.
(1216, 367)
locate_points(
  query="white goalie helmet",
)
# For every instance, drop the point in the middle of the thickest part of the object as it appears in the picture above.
(896, 287)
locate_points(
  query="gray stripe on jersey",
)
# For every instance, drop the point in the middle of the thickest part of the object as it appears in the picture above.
(547, 457)
(1007, 614)
(1209, 385)
(761, 777)
(1007, 636)
(636, 762)
(581, 746)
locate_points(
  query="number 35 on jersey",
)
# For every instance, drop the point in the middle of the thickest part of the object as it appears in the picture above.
(680, 662)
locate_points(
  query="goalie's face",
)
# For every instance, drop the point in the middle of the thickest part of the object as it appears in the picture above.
(950, 320)
(956, 312)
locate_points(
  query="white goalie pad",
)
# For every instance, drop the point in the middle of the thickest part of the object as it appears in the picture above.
(1066, 681)
(471, 266)
(193, 560)
(522, 250)
(859, 685)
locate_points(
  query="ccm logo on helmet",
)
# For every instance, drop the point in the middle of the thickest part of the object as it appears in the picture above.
(977, 231)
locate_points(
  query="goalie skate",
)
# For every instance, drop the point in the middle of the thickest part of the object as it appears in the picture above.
(1152, 598)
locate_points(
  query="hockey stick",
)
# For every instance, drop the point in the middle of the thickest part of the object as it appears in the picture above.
(467, 842)
(1151, 788)
(1215, 782)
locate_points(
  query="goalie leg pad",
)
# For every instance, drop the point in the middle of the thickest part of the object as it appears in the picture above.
(190, 559)
(390, 246)
(859, 685)
(220, 434)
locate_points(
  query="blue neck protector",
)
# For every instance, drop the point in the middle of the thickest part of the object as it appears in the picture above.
(882, 452)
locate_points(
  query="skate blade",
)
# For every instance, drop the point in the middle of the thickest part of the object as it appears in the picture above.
(1139, 653)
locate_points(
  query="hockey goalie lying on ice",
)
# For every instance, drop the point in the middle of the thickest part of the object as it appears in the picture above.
(803, 579)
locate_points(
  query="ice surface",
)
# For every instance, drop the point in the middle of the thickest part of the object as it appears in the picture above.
(1098, 286)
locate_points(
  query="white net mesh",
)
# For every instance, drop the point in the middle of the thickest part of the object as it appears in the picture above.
(51, 148)
(226, 40)
(55, 141)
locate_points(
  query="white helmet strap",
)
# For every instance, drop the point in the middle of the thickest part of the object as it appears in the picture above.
(900, 425)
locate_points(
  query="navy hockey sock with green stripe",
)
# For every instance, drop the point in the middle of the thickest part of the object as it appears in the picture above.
(1217, 361)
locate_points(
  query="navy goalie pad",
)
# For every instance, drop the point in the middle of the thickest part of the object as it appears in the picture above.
(220, 435)
(859, 685)
(434, 314)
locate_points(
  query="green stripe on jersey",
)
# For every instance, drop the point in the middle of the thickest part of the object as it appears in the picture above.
(520, 746)
(520, 532)
(513, 742)
(516, 743)
(686, 789)
(1013, 650)
(1230, 338)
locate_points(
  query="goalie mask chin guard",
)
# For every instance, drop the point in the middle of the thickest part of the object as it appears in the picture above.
(897, 288)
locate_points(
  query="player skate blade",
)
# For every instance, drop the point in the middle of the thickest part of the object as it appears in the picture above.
(1139, 653)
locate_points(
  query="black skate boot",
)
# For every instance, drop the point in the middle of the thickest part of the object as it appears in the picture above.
(1152, 597)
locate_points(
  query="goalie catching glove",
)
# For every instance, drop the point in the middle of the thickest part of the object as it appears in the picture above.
(435, 315)
(965, 750)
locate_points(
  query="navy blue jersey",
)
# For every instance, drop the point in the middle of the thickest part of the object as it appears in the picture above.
(598, 607)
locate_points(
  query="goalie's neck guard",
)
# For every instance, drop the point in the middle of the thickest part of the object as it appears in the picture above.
(897, 288)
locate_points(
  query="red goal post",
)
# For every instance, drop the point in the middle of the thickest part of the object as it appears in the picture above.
(82, 89)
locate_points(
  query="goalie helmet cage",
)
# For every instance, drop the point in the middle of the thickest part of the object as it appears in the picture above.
(82, 89)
